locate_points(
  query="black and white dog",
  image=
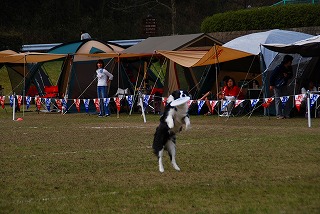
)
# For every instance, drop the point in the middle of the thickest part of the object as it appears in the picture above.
(171, 122)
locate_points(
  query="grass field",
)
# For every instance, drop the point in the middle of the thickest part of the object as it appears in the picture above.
(76, 163)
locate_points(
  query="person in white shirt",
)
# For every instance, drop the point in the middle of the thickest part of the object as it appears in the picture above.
(309, 86)
(104, 77)
(84, 35)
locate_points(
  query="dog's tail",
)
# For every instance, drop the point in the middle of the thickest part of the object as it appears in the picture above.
(161, 136)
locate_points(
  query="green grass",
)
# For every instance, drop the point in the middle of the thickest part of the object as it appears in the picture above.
(5, 81)
(76, 163)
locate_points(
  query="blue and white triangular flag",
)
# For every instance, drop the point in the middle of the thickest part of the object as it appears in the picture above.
(313, 98)
(129, 100)
(64, 104)
(145, 100)
(28, 101)
(225, 103)
(284, 100)
(11, 100)
(200, 104)
(106, 102)
(254, 102)
(86, 104)
(48, 103)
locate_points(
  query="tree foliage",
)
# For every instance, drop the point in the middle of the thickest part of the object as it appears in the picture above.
(39, 21)
(288, 16)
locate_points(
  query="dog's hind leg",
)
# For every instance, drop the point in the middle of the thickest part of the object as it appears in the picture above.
(171, 147)
(160, 156)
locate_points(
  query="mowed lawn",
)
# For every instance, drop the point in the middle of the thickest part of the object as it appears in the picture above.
(76, 163)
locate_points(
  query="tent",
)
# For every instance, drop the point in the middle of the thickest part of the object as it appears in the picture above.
(19, 65)
(263, 57)
(175, 75)
(307, 48)
(77, 75)
(306, 61)
(251, 43)
(217, 54)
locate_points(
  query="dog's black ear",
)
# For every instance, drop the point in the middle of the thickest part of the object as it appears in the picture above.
(185, 94)
(176, 94)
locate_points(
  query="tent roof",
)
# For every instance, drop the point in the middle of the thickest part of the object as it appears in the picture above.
(30, 57)
(217, 54)
(7, 52)
(251, 43)
(86, 47)
(171, 43)
(308, 47)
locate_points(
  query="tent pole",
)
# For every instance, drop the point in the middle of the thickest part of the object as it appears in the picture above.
(216, 67)
(142, 109)
(24, 84)
(295, 83)
(135, 89)
(309, 109)
(14, 106)
(118, 112)
(118, 71)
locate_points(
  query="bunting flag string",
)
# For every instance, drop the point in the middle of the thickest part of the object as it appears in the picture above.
(62, 103)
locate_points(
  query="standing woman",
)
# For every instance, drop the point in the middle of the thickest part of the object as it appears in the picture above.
(104, 77)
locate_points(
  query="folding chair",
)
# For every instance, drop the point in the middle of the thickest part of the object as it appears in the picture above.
(51, 92)
(121, 93)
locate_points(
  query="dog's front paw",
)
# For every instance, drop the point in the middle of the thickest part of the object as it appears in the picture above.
(188, 124)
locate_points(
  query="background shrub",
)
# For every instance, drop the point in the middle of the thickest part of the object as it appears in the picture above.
(288, 16)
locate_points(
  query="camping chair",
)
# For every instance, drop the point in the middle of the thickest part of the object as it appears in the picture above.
(157, 99)
(51, 92)
(121, 93)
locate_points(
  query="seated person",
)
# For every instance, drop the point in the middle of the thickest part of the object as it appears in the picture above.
(209, 94)
(309, 86)
(230, 92)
